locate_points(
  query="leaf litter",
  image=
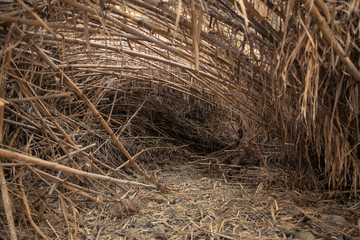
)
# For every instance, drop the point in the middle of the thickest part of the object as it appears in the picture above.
(203, 205)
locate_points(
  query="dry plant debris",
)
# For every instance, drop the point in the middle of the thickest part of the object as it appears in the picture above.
(203, 206)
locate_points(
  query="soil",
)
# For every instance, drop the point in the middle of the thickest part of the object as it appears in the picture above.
(201, 205)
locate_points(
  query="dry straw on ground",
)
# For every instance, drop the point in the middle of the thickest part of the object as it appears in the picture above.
(94, 92)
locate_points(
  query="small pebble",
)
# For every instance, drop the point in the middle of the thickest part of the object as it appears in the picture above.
(338, 220)
(188, 168)
(305, 236)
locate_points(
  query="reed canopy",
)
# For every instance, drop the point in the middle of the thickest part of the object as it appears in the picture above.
(95, 88)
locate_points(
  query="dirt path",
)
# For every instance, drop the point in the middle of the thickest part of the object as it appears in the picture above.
(206, 207)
